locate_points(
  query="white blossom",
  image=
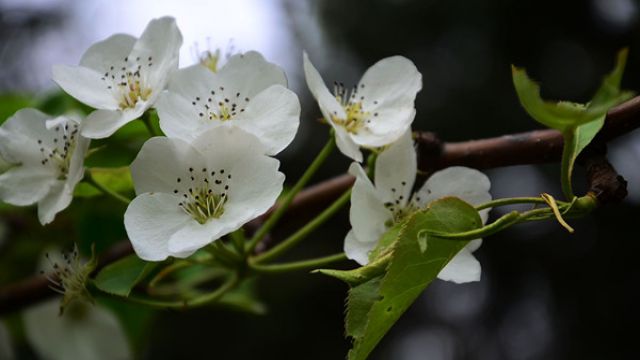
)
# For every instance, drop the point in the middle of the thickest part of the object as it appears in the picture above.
(376, 111)
(82, 332)
(375, 208)
(191, 194)
(122, 76)
(247, 92)
(47, 156)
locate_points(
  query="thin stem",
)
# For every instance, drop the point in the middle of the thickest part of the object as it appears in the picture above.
(568, 151)
(193, 302)
(282, 208)
(238, 239)
(299, 265)
(146, 119)
(221, 252)
(500, 224)
(88, 178)
(299, 235)
(510, 201)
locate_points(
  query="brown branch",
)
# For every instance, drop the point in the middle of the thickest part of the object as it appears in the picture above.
(534, 147)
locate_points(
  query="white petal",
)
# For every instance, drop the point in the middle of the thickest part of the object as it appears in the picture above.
(329, 106)
(193, 81)
(179, 118)
(395, 171)
(88, 333)
(356, 250)
(392, 82)
(160, 163)
(462, 268)
(25, 185)
(368, 214)
(467, 184)
(19, 137)
(474, 245)
(346, 145)
(249, 74)
(86, 85)
(58, 198)
(151, 220)
(109, 52)
(103, 123)
(195, 236)
(273, 117)
(161, 41)
(384, 130)
(6, 351)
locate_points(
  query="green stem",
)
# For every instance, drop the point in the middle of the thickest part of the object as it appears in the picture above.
(282, 208)
(498, 225)
(146, 119)
(510, 201)
(568, 151)
(299, 265)
(299, 235)
(238, 239)
(221, 252)
(89, 179)
(188, 303)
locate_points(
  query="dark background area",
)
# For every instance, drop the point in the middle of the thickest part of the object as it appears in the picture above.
(544, 294)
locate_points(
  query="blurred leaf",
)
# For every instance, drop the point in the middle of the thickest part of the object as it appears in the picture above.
(117, 179)
(244, 298)
(59, 102)
(579, 123)
(408, 273)
(121, 276)
(10, 103)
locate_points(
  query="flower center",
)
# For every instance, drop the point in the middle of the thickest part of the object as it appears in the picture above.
(59, 151)
(127, 81)
(220, 106)
(356, 117)
(206, 195)
(69, 276)
(400, 209)
(210, 59)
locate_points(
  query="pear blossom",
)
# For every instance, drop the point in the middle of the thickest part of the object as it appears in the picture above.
(47, 156)
(247, 92)
(376, 208)
(191, 194)
(376, 111)
(84, 331)
(122, 76)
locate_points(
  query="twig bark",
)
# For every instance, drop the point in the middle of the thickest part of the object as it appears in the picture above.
(534, 147)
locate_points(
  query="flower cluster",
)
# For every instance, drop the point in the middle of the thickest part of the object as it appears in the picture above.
(213, 171)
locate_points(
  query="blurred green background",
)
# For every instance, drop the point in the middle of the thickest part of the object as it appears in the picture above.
(544, 294)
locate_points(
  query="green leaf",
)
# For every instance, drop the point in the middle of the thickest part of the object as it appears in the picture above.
(409, 272)
(117, 179)
(359, 275)
(359, 302)
(386, 242)
(121, 276)
(579, 123)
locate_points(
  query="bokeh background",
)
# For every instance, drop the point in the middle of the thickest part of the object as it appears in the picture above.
(544, 294)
